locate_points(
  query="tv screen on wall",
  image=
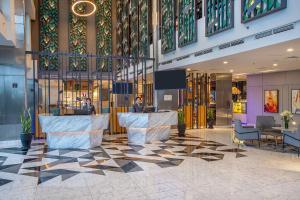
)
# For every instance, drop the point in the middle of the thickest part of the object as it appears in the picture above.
(171, 79)
(122, 88)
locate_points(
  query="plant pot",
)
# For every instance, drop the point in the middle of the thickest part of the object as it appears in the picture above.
(181, 130)
(210, 124)
(26, 139)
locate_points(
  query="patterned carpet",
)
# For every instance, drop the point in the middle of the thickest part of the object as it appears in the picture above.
(114, 155)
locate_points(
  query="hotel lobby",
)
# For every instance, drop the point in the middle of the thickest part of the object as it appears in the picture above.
(148, 100)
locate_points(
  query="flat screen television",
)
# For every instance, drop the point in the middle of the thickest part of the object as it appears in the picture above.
(122, 88)
(171, 79)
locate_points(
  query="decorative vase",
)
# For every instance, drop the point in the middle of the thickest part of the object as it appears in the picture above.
(286, 124)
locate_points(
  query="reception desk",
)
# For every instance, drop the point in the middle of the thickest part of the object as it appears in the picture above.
(147, 127)
(76, 131)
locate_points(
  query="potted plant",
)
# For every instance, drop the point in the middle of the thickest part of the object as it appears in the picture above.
(26, 135)
(210, 118)
(181, 127)
(286, 117)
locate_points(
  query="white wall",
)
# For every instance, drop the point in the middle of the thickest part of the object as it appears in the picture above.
(240, 31)
(282, 81)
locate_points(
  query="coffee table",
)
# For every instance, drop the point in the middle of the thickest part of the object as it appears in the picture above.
(282, 129)
(275, 133)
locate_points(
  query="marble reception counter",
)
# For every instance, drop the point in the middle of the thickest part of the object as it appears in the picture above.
(147, 127)
(77, 131)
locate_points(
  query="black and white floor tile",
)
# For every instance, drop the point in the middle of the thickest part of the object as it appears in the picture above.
(114, 155)
(204, 165)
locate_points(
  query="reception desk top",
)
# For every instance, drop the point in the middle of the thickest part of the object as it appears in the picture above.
(147, 120)
(70, 123)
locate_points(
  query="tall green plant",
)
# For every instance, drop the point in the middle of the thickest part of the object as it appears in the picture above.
(26, 122)
(210, 114)
(180, 117)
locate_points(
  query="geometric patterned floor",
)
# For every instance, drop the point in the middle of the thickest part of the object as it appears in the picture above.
(114, 155)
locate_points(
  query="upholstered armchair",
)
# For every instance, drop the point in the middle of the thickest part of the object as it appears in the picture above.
(292, 138)
(242, 133)
(265, 123)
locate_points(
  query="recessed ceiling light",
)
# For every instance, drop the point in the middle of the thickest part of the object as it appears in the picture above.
(290, 50)
(231, 71)
(225, 62)
(275, 64)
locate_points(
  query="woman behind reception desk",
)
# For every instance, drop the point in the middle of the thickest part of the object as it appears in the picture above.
(89, 107)
(137, 106)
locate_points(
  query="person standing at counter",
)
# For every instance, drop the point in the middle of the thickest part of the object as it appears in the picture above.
(83, 102)
(138, 106)
(89, 106)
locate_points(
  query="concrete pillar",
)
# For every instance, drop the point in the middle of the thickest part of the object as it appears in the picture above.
(223, 99)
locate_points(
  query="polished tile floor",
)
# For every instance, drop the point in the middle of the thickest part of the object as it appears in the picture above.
(203, 165)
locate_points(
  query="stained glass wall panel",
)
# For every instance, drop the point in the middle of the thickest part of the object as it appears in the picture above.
(168, 34)
(219, 16)
(187, 26)
(253, 9)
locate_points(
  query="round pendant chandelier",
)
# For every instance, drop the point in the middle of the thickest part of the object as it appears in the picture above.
(87, 2)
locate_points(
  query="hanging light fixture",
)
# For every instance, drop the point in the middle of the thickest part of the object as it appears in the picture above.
(87, 2)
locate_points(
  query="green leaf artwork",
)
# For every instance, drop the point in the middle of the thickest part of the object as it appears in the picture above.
(103, 32)
(48, 34)
(78, 39)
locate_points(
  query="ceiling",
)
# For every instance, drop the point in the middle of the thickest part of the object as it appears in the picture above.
(263, 60)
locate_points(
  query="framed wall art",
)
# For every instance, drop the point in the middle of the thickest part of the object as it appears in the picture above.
(295, 101)
(271, 101)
